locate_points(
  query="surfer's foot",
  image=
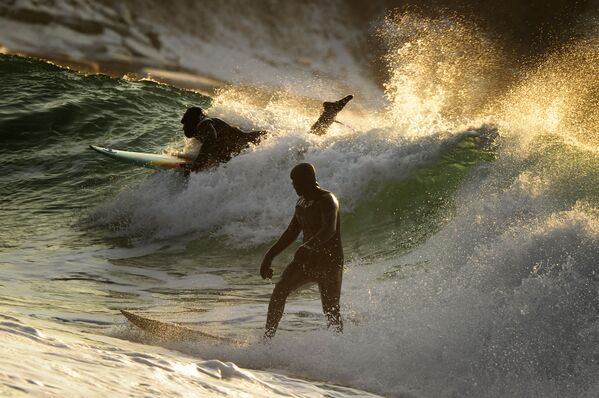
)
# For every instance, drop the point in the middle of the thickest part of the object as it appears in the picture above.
(268, 335)
(266, 341)
(337, 105)
(327, 117)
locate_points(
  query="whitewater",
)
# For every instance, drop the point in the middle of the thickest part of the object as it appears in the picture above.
(467, 182)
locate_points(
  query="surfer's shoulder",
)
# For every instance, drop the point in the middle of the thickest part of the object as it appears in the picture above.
(206, 121)
(328, 200)
(218, 124)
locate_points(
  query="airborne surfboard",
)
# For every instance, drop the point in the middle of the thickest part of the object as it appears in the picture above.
(174, 331)
(151, 160)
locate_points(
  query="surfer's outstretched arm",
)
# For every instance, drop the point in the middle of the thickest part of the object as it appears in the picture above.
(286, 239)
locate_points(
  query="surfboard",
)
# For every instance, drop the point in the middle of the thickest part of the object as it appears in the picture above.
(151, 160)
(174, 331)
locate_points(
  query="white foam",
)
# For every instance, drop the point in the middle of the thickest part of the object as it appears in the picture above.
(501, 302)
(250, 198)
(60, 361)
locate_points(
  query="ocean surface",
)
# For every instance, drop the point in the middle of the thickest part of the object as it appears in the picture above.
(469, 191)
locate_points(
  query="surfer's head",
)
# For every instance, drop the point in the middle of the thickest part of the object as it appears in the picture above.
(303, 178)
(190, 120)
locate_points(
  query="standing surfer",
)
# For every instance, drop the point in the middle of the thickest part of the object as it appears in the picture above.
(221, 141)
(318, 260)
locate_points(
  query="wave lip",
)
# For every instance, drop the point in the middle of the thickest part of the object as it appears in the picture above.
(353, 166)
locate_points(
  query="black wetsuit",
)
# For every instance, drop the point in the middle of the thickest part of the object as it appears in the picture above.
(323, 266)
(221, 141)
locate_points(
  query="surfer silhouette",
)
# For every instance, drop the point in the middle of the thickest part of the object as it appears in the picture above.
(318, 260)
(221, 141)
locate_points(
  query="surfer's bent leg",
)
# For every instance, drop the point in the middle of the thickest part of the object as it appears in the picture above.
(330, 291)
(293, 277)
(327, 117)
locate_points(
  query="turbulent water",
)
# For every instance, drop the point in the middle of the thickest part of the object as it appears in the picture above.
(469, 192)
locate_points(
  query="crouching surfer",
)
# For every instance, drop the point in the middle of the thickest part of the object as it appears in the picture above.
(318, 260)
(220, 141)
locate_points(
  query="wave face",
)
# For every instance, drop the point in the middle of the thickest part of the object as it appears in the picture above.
(49, 117)
(313, 48)
(469, 197)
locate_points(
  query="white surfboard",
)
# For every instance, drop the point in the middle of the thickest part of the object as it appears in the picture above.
(151, 160)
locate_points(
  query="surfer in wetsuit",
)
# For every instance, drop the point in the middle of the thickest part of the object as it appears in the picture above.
(318, 260)
(221, 141)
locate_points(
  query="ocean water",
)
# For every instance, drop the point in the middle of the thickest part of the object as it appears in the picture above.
(469, 194)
